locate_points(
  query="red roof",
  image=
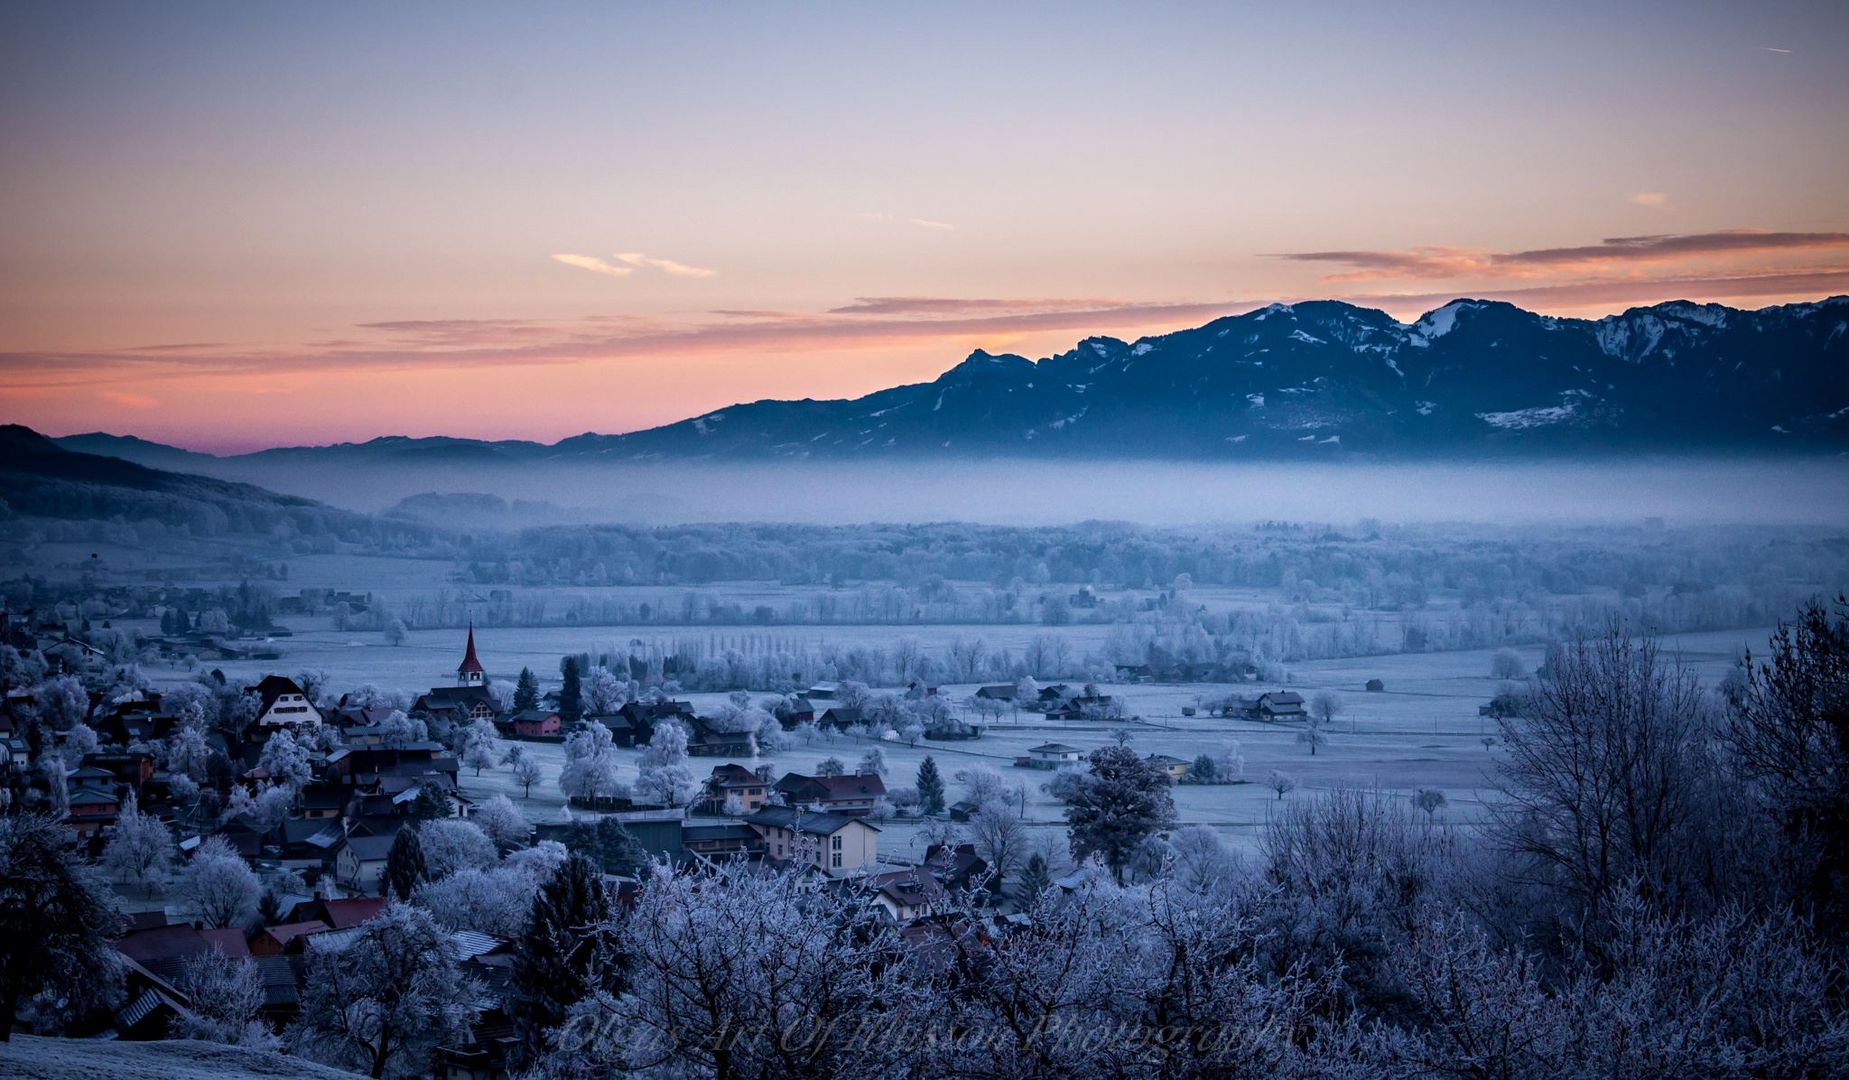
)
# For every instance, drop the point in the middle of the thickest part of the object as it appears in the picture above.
(470, 665)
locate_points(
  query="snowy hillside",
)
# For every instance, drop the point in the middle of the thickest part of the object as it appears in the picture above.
(28, 1057)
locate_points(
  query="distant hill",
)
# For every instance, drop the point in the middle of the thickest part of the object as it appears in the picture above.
(39, 478)
(1316, 380)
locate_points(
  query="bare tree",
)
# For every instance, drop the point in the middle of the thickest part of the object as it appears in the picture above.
(1606, 774)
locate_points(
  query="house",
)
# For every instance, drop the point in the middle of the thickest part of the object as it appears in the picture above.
(958, 867)
(850, 794)
(339, 914)
(997, 692)
(823, 691)
(534, 724)
(720, 840)
(91, 811)
(834, 844)
(360, 863)
(751, 787)
(909, 893)
(276, 940)
(1274, 705)
(1375, 686)
(1052, 755)
(840, 718)
(460, 705)
(1176, 768)
(642, 716)
(283, 704)
(1280, 705)
(706, 740)
(964, 809)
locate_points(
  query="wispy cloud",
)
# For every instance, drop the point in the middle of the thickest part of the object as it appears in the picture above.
(1443, 262)
(1650, 198)
(594, 264)
(918, 222)
(666, 266)
(133, 401)
(946, 305)
(1775, 49)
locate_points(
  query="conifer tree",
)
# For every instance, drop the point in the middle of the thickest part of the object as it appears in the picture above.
(405, 868)
(930, 787)
(526, 691)
(562, 958)
(571, 695)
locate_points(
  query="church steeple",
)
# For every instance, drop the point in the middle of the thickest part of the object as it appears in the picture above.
(470, 672)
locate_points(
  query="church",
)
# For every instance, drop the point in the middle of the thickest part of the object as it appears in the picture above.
(467, 701)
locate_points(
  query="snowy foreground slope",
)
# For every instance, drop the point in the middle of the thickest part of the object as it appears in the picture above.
(28, 1057)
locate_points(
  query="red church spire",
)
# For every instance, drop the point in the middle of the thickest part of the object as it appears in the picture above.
(470, 665)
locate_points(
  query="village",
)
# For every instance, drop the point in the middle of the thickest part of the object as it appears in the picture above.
(271, 821)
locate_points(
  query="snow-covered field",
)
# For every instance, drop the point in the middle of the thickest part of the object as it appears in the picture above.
(28, 1057)
(1423, 731)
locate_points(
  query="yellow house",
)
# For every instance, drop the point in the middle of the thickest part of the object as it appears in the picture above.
(835, 844)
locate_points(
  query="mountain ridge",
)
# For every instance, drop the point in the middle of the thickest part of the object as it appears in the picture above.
(1319, 378)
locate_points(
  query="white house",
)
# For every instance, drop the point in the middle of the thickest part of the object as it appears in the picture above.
(284, 704)
(1054, 754)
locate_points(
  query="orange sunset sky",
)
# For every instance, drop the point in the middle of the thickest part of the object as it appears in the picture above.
(229, 226)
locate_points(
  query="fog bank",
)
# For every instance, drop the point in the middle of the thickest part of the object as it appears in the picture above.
(1038, 492)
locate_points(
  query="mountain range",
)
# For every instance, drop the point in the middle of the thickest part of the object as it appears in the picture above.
(1318, 379)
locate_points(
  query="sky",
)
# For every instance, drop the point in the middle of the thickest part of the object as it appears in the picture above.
(236, 225)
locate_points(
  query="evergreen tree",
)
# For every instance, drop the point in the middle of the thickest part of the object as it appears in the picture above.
(1036, 878)
(56, 918)
(562, 958)
(405, 868)
(571, 695)
(526, 691)
(431, 803)
(1123, 802)
(930, 787)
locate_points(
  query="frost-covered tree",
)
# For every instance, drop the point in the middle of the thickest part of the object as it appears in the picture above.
(831, 766)
(1123, 801)
(216, 886)
(62, 701)
(481, 745)
(399, 730)
(873, 762)
(223, 998)
(670, 785)
(604, 692)
(453, 844)
(56, 921)
(383, 1000)
(140, 847)
(285, 758)
(503, 823)
(1000, 839)
(1506, 664)
(528, 772)
(1280, 782)
(590, 769)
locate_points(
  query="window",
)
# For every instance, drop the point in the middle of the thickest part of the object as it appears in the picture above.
(834, 842)
(837, 860)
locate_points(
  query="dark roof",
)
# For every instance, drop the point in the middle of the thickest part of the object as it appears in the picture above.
(730, 830)
(805, 821)
(832, 788)
(368, 848)
(1054, 748)
(273, 687)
